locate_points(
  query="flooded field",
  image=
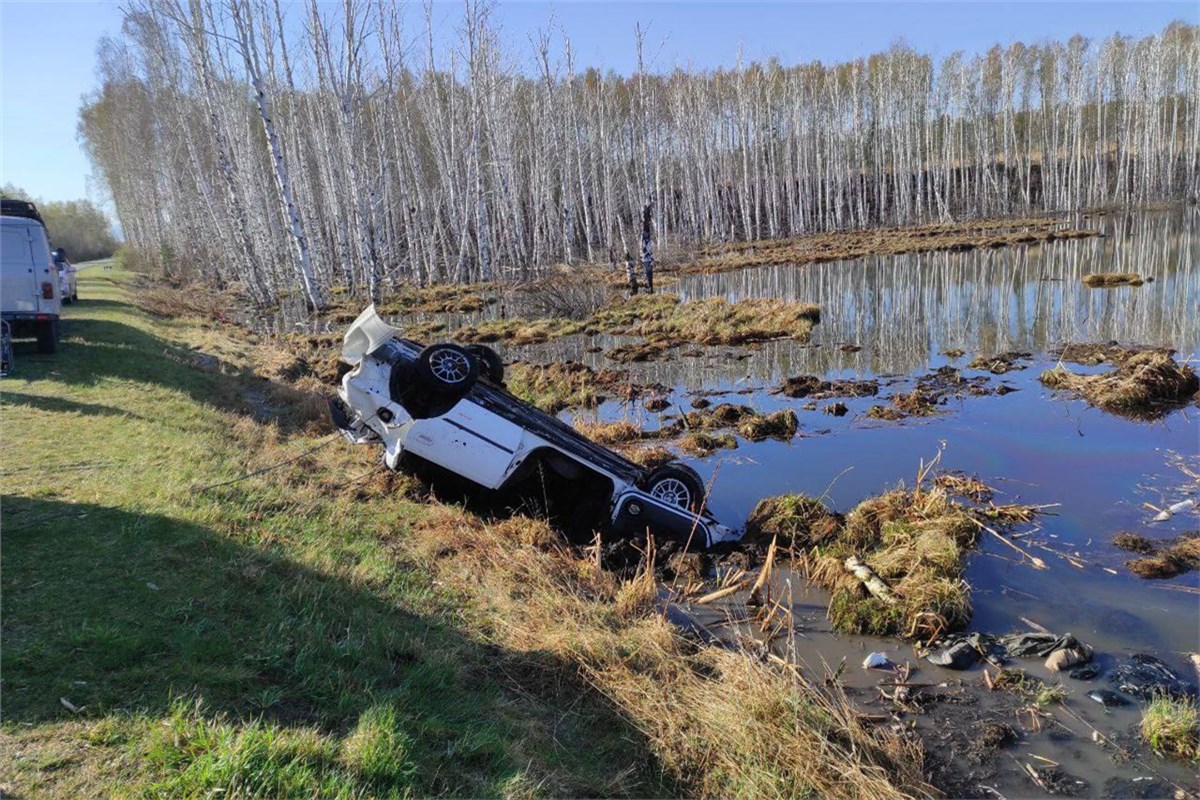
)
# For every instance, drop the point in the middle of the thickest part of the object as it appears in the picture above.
(898, 320)
(1095, 469)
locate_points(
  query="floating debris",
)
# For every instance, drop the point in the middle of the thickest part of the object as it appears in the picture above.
(836, 409)
(1108, 698)
(1000, 363)
(1148, 676)
(818, 389)
(878, 661)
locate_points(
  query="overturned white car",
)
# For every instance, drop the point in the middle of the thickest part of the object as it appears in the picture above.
(446, 405)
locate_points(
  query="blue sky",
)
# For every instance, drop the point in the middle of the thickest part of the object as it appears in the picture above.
(47, 49)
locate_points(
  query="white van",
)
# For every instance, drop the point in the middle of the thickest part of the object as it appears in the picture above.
(30, 297)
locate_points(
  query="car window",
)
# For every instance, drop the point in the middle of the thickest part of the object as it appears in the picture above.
(15, 247)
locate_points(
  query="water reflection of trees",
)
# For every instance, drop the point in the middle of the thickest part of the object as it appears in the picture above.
(905, 309)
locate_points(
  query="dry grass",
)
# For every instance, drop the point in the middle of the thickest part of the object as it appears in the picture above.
(701, 444)
(567, 384)
(1093, 353)
(517, 331)
(716, 321)
(648, 457)
(781, 425)
(967, 486)
(793, 521)
(915, 541)
(1000, 363)
(916, 403)
(721, 723)
(1101, 280)
(1144, 384)
(167, 301)
(661, 319)
(842, 245)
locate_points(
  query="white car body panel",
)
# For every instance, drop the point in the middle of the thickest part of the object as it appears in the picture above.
(468, 439)
(25, 264)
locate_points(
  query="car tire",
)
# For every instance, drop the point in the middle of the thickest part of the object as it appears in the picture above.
(75, 296)
(447, 369)
(677, 484)
(490, 365)
(68, 300)
(47, 336)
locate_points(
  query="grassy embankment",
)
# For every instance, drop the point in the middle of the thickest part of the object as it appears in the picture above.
(173, 628)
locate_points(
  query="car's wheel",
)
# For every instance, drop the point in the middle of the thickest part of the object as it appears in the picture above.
(678, 485)
(490, 365)
(47, 336)
(67, 300)
(75, 296)
(447, 368)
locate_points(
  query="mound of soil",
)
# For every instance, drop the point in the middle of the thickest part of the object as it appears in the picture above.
(794, 520)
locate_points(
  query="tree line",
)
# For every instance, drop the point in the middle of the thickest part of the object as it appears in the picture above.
(79, 227)
(349, 146)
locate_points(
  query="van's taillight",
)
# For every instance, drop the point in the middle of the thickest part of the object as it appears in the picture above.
(47, 291)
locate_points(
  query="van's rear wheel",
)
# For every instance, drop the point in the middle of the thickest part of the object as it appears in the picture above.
(677, 485)
(447, 368)
(47, 336)
(490, 365)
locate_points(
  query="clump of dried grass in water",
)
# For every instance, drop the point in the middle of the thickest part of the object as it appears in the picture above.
(793, 520)
(720, 722)
(968, 486)
(701, 444)
(1144, 384)
(1100, 280)
(781, 424)
(567, 384)
(914, 541)
(1164, 559)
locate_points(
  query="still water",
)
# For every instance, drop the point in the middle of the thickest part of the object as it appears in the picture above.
(1096, 470)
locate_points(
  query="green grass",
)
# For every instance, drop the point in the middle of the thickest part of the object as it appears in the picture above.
(265, 637)
(1171, 726)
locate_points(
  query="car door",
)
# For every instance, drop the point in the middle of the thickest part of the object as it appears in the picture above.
(19, 288)
(43, 268)
(469, 441)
